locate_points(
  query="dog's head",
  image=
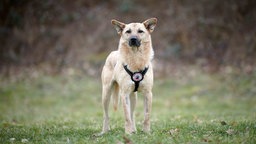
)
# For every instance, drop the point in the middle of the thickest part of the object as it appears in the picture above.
(135, 34)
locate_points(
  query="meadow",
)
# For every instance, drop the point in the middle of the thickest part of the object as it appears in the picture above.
(194, 107)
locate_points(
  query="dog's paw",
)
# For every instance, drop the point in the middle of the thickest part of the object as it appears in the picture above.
(99, 134)
(130, 131)
(146, 129)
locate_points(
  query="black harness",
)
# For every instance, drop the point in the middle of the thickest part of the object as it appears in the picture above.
(136, 77)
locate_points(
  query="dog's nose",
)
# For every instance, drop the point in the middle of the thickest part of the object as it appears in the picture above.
(134, 41)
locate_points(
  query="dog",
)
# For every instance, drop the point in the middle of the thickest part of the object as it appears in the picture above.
(127, 71)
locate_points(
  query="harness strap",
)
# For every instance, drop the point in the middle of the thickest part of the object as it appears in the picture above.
(136, 77)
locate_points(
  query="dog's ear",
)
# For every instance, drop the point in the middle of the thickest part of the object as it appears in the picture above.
(119, 26)
(150, 24)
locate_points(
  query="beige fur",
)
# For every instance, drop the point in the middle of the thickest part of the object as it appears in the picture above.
(117, 82)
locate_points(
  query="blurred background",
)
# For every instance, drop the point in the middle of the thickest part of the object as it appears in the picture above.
(64, 36)
(52, 53)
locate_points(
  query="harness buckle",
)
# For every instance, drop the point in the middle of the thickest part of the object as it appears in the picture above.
(136, 77)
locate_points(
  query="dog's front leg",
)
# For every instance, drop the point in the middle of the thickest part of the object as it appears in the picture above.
(147, 110)
(127, 113)
(106, 93)
(133, 99)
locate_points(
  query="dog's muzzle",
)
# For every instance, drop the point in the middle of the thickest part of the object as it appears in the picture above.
(134, 42)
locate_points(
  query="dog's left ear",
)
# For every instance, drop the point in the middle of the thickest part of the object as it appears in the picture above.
(150, 24)
(119, 26)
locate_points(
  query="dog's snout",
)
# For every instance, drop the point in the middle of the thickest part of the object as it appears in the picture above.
(134, 41)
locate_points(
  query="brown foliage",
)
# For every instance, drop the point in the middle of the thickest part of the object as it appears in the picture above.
(79, 34)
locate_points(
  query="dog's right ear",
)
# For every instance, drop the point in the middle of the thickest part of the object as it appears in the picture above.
(150, 24)
(119, 26)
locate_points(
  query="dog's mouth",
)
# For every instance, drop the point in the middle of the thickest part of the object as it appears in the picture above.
(134, 42)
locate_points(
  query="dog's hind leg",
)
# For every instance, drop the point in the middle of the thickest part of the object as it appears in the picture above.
(115, 95)
(133, 100)
(127, 112)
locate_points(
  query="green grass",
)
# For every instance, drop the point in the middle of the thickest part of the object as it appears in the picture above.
(197, 108)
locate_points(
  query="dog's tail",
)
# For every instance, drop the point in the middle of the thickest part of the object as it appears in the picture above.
(115, 95)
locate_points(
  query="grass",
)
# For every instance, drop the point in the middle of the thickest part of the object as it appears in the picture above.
(196, 108)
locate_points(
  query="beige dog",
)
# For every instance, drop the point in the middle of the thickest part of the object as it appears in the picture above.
(129, 70)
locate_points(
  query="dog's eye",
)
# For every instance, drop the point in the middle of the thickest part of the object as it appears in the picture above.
(140, 31)
(128, 31)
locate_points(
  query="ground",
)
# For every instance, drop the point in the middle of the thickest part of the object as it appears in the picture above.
(188, 108)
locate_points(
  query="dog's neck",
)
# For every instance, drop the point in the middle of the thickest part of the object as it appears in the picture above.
(136, 58)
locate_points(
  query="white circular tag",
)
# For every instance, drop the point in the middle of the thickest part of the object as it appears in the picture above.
(137, 77)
